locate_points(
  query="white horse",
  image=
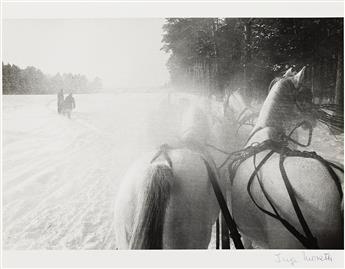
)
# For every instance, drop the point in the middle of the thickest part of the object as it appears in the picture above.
(236, 106)
(166, 201)
(236, 109)
(312, 185)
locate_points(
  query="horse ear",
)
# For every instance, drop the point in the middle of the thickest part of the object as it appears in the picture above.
(298, 78)
(288, 73)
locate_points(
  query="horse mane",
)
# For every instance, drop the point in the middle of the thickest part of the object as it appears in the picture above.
(276, 79)
(280, 95)
(282, 87)
(288, 74)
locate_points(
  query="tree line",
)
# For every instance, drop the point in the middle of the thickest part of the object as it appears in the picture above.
(31, 80)
(215, 55)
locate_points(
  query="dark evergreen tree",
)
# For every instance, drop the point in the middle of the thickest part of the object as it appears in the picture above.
(213, 55)
(33, 81)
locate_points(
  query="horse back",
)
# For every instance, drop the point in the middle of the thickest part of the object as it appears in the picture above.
(193, 208)
(315, 192)
(190, 211)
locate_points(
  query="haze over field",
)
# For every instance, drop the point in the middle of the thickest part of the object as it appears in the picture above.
(60, 176)
(124, 53)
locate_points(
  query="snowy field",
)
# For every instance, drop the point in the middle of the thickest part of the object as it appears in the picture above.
(60, 176)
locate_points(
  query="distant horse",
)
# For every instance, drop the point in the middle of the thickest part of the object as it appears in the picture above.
(166, 200)
(236, 108)
(292, 200)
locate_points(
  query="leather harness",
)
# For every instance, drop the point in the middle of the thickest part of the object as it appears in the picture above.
(281, 147)
(230, 222)
(238, 157)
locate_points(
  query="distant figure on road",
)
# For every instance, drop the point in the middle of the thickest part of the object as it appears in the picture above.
(68, 105)
(60, 100)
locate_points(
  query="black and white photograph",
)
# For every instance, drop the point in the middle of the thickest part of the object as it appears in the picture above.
(218, 133)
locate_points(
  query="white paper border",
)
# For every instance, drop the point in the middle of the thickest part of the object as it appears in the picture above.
(177, 258)
(141, 9)
(184, 258)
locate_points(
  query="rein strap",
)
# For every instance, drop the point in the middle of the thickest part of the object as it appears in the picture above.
(230, 222)
(307, 240)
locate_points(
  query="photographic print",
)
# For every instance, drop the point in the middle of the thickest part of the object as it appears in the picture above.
(186, 133)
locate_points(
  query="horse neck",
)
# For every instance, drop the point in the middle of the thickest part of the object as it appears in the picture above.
(237, 103)
(275, 113)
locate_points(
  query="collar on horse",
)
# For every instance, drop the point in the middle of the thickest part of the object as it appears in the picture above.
(281, 147)
(284, 139)
(230, 222)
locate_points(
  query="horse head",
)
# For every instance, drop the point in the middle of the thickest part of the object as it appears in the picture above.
(288, 102)
(237, 110)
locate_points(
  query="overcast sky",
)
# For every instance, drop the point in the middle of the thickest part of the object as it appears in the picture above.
(122, 52)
